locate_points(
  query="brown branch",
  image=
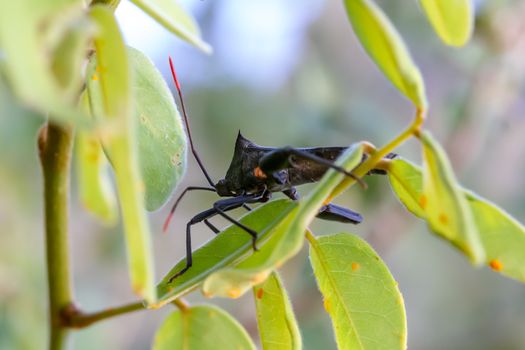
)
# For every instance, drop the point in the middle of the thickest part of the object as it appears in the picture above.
(72, 317)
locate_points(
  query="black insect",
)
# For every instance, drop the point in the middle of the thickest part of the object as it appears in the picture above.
(254, 174)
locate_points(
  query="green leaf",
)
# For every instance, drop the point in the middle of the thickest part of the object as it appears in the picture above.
(453, 20)
(162, 140)
(70, 55)
(96, 191)
(445, 206)
(501, 235)
(161, 136)
(286, 240)
(112, 4)
(201, 327)
(172, 16)
(360, 294)
(407, 184)
(229, 247)
(112, 82)
(277, 325)
(386, 48)
(233, 282)
(35, 36)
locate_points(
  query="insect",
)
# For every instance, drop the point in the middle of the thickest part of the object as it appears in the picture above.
(254, 174)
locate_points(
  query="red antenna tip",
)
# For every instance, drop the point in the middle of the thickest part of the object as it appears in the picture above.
(167, 223)
(173, 74)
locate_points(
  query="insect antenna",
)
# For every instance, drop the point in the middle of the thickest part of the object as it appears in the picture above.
(186, 122)
(193, 151)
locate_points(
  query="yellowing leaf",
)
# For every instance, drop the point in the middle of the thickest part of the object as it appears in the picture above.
(386, 48)
(277, 325)
(172, 16)
(96, 191)
(452, 19)
(110, 78)
(446, 209)
(201, 327)
(34, 35)
(503, 237)
(407, 185)
(360, 294)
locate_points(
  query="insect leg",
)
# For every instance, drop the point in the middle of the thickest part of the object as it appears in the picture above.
(244, 227)
(187, 189)
(281, 158)
(224, 205)
(215, 229)
(389, 156)
(292, 194)
(189, 259)
(330, 212)
(211, 226)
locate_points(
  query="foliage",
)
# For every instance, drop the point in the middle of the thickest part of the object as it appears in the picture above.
(70, 65)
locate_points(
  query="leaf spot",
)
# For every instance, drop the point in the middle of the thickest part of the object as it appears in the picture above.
(259, 293)
(355, 266)
(175, 159)
(423, 201)
(443, 219)
(496, 265)
(327, 305)
(94, 77)
(92, 154)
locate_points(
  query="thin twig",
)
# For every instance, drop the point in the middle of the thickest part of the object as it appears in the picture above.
(75, 318)
(182, 304)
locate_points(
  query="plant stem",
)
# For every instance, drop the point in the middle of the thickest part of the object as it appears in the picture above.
(182, 304)
(310, 237)
(370, 163)
(74, 318)
(55, 144)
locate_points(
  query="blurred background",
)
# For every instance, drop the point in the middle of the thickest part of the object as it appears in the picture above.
(292, 73)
